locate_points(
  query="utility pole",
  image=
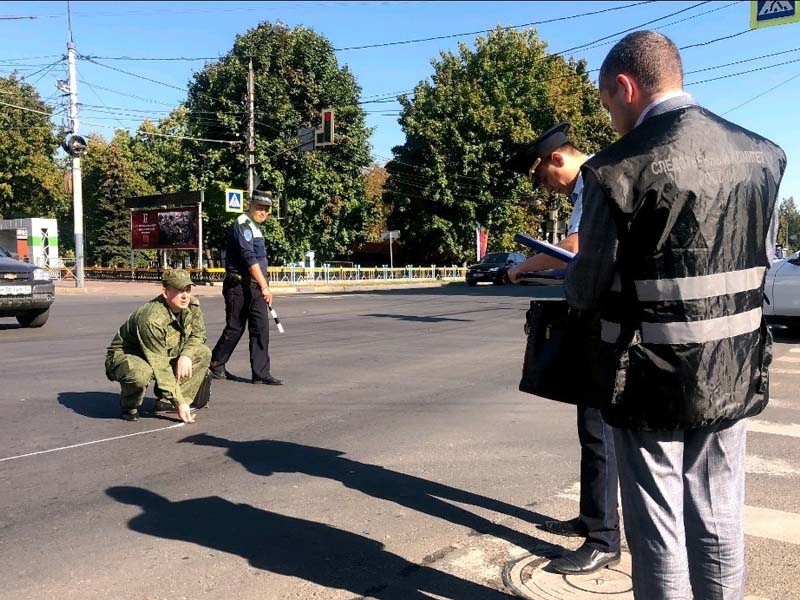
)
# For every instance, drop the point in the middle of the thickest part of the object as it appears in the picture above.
(77, 182)
(251, 130)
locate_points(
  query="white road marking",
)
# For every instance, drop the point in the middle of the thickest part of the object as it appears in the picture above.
(790, 429)
(111, 439)
(758, 465)
(572, 493)
(791, 359)
(783, 403)
(795, 350)
(785, 371)
(772, 524)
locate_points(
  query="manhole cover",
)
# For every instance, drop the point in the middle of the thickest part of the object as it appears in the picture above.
(527, 578)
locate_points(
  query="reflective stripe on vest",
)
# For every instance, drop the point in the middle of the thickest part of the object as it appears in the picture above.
(688, 332)
(693, 288)
(703, 286)
(698, 332)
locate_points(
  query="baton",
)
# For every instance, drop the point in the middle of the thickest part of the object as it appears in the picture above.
(275, 318)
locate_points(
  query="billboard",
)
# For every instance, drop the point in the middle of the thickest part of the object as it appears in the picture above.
(160, 228)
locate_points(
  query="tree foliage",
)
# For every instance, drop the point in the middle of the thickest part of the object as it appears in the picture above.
(788, 224)
(321, 193)
(110, 176)
(31, 179)
(461, 128)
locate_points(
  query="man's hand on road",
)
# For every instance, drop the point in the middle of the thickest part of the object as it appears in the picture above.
(183, 368)
(185, 413)
(514, 275)
(265, 291)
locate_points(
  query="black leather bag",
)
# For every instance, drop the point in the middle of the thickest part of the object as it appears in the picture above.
(561, 353)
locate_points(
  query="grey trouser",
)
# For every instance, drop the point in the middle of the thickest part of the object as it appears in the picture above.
(683, 504)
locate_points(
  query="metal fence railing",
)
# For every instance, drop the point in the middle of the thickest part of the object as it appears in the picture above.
(288, 275)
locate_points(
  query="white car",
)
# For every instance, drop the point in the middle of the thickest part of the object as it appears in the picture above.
(782, 292)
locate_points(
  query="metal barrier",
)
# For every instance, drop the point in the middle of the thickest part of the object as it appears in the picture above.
(288, 275)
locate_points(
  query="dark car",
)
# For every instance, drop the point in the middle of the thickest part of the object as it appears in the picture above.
(494, 267)
(26, 291)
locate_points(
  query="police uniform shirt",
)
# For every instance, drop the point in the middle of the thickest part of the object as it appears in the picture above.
(246, 247)
(577, 206)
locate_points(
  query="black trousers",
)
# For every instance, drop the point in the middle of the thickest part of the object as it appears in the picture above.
(599, 477)
(244, 304)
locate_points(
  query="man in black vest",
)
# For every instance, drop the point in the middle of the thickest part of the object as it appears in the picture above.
(247, 294)
(554, 163)
(677, 233)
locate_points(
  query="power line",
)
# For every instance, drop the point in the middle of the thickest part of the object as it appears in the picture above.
(25, 108)
(46, 67)
(169, 85)
(788, 62)
(671, 23)
(469, 33)
(388, 99)
(129, 95)
(764, 93)
(634, 28)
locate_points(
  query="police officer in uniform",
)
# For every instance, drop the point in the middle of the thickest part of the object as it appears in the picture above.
(552, 162)
(165, 340)
(677, 234)
(247, 294)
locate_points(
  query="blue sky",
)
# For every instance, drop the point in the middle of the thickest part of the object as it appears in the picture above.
(207, 29)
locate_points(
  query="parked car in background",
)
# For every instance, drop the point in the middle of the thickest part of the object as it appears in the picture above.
(494, 268)
(26, 291)
(782, 293)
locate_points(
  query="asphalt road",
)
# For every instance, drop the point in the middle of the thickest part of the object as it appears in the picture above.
(399, 462)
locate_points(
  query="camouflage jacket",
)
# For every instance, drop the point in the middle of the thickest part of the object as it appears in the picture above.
(155, 334)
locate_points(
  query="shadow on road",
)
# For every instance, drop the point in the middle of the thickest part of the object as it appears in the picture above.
(295, 547)
(95, 405)
(265, 457)
(417, 319)
(4, 326)
(105, 405)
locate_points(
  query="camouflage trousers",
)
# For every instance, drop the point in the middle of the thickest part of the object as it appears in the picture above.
(134, 375)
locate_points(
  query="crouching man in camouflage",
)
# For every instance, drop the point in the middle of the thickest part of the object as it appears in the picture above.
(165, 340)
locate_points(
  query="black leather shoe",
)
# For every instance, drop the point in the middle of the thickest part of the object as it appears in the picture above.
(223, 375)
(269, 380)
(584, 560)
(571, 528)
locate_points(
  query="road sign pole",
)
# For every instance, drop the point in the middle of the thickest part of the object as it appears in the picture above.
(391, 259)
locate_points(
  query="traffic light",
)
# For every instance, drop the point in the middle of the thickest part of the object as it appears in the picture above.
(325, 133)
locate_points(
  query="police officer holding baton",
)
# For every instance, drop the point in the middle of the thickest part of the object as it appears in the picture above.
(247, 294)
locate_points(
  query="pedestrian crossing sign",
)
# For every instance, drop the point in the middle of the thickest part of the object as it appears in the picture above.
(233, 201)
(765, 13)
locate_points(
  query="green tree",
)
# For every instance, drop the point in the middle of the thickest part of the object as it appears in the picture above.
(31, 178)
(788, 224)
(110, 176)
(462, 127)
(322, 193)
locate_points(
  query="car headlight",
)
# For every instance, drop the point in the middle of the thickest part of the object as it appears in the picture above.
(41, 275)
(494, 269)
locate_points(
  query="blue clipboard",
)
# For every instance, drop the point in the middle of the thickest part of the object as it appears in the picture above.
(544, 247)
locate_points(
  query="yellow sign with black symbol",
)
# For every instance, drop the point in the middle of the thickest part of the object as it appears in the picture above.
(766, 13)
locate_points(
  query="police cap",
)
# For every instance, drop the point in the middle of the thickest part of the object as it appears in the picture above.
(261, 198)
(528, 156)
(176, 278)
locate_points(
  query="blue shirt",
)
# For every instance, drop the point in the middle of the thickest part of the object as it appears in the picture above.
(246, 247)
(577, 206)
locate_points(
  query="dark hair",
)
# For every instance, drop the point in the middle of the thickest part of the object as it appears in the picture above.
(651, 58)
(567, 148)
